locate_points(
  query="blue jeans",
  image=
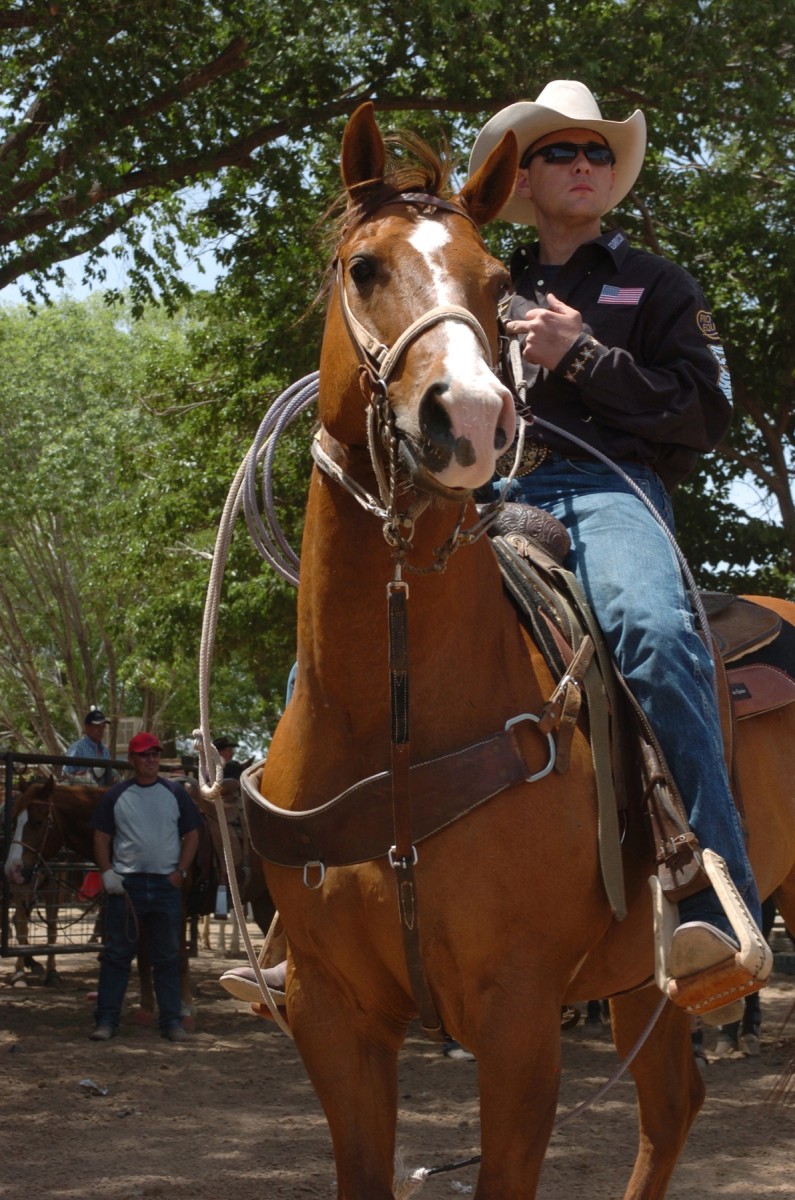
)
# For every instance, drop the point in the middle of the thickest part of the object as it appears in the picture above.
(152, 904)
(629, 573)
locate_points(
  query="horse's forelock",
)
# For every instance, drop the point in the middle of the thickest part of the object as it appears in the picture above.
(412, 165)
(31, 795)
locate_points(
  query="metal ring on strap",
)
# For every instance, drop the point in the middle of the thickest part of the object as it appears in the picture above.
(550, 743)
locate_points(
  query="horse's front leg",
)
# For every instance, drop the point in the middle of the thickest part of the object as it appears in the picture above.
(669, 1085)
(518, 1060)
(351, 1059)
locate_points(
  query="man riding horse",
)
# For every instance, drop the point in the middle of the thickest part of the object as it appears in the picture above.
(620, 350)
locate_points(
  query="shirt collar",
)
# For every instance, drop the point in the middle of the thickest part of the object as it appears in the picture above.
(613, 242)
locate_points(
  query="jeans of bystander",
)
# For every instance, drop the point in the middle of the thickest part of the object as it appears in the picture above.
(151, 904)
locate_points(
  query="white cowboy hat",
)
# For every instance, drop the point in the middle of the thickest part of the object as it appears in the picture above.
(563, 104)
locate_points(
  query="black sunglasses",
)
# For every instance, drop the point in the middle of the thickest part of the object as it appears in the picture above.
(566, 152)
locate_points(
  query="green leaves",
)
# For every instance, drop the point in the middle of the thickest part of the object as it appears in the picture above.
(142, 129)
(123, 441)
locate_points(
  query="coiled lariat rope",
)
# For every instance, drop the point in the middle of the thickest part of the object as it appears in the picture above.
(274, 548)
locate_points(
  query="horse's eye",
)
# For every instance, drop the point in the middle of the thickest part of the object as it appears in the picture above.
(361, 269)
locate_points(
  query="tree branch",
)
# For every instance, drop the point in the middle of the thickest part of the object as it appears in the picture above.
(236, 153)
(230, 59)
(26, 18)
(41, 259)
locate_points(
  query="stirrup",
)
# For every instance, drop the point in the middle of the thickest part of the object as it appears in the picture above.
(712, 992)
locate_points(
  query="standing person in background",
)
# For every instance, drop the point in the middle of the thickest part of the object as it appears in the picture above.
(146, 836)
(225, 747)
(91, 745)
(232, 769)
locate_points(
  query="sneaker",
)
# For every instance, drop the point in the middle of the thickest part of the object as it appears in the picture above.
(242, 983)
(697, 946)
(102, 1033)
(175, 1033)
(749, 1042)
(569, 1017)
(724, 1047)
(457, 1051)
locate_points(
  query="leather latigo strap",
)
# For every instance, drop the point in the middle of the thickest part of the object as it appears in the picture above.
(358, 825)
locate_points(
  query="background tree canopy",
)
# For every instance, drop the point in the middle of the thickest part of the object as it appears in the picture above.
(146, 130)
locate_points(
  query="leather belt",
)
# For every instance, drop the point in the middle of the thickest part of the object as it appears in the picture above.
(533, 455)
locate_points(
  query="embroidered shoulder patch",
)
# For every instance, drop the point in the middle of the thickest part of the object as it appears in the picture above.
(620, 295)
(706, 324)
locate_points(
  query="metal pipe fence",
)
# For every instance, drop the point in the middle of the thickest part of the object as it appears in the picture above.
(59, 912)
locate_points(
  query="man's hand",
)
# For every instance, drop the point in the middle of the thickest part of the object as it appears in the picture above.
(549, 332)
(113, 882)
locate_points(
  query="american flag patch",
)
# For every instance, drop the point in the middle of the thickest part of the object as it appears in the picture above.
(619, 295)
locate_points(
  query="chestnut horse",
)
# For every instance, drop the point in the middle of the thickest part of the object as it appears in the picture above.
(511, 911)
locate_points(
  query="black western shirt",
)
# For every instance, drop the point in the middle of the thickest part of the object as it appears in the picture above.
(646, 381)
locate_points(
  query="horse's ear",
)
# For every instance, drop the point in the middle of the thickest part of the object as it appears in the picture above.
(363, 156)
(493, 183)
(47, 790)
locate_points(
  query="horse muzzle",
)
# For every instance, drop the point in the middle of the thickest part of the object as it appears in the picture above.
(462, 431)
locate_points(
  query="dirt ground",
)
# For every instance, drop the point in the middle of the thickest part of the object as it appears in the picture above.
(231, 1113)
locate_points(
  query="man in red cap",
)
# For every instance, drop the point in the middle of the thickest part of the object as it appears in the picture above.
(146, 836)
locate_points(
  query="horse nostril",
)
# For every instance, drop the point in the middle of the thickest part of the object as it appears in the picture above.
(436, 428)
(435, 422)
(500, 438)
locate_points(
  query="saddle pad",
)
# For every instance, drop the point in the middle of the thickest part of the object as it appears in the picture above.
(759, 688)
(739, 626)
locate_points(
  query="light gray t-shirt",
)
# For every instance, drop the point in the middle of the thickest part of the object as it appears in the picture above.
(147, 823)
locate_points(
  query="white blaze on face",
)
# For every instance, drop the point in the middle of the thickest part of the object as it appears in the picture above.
(468, 390)
(13, 865)
(429, 239)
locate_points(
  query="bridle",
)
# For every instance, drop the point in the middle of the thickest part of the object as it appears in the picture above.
(377, 363)
(377, 360)
(39, 861)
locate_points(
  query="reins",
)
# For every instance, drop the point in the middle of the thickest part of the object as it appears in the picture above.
(49, 823)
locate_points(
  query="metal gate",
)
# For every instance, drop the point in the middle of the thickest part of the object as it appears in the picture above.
(60, 912)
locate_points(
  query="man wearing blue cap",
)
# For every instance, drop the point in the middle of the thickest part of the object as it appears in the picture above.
(91, 745)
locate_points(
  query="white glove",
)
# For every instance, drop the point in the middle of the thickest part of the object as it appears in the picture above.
(113, 882)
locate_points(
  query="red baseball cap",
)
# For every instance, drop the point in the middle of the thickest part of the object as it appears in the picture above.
(142, 742)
